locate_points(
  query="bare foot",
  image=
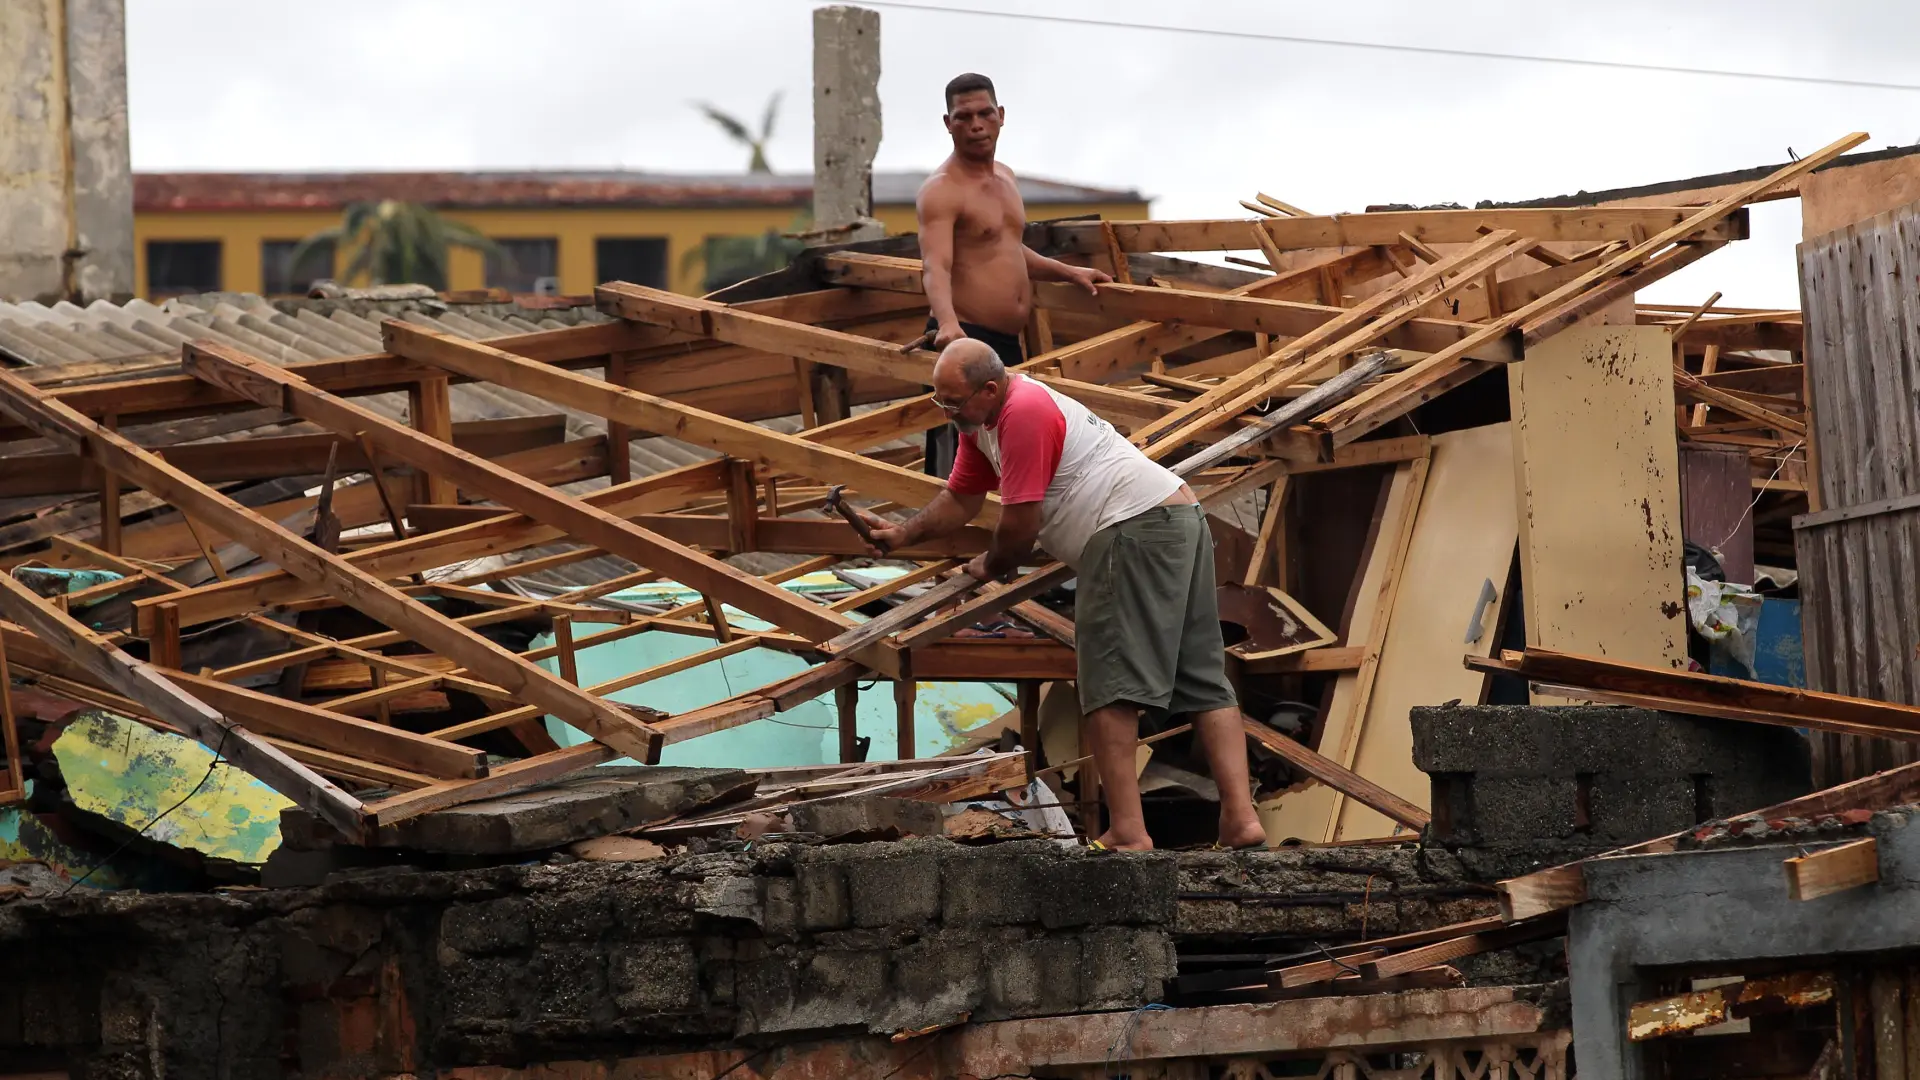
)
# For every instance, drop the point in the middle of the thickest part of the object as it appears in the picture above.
(1242, 834)
(1115, 842)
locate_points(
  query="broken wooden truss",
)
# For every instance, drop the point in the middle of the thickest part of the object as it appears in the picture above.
(1240, 386)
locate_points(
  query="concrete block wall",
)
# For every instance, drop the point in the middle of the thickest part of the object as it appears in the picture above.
(397, 970)
(1520, 787)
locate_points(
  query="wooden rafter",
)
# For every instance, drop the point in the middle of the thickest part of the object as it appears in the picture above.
(370, 595)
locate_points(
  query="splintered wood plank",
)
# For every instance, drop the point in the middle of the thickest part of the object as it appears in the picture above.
(1462, 542)
(1341, 779)
(1835, 869)
(1227, 311)
(506, 532)
(1617, 276)
(581, 520)
(1597, 469)
(138, 680)
(1345, 957)
(1441, 952)
(769, 449)
(278, 717)
(360, 590)
(1310, 353)
(1585, 223)
(1310, 814)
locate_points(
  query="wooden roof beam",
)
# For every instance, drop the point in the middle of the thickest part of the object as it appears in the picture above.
(371, 596)
(1282, 318)
(736, 438)
(271, 385)
(1579, 223)
(140, 681)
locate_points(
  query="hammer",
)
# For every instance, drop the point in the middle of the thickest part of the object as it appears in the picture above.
(835, 503)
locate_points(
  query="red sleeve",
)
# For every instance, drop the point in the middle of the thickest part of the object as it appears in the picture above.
(1033, 432)
(972, 473)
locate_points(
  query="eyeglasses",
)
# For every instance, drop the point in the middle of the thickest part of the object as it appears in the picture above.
(951, 409)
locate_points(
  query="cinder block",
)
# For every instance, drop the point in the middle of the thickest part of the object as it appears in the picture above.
(894, 889)
(491, 926)
(820, 893)
(1516, 808)
(657, 977)
(936, 980)
(485, 988)
(1631, 809)
(1111, 889)
(569, 982)
(1037, 976)
(987, 888)
(1123, 968)
(869, 816)
(581, 915)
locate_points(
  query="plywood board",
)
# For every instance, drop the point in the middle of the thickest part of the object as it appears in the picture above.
(1308, 813)
(1599, 494)
(1462, 541)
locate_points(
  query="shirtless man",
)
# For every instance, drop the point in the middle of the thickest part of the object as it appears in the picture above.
(978, 272)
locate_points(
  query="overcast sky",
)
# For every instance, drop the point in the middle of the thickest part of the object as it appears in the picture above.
(1196, 123)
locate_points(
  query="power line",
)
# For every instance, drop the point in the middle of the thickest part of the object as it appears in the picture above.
(1421, 50)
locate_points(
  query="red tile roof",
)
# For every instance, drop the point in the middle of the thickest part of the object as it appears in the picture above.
(473, 190)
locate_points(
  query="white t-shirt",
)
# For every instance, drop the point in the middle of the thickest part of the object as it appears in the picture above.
(1046, 447)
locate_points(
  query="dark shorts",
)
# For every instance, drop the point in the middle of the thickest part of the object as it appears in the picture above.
(1008, 346)
(1147, 618)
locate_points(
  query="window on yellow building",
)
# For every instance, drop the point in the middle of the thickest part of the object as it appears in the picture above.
(177, 267)
(532, 264)
(641, 260)
(280, 277)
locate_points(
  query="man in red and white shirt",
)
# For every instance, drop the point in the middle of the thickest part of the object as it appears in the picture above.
(1146, 622)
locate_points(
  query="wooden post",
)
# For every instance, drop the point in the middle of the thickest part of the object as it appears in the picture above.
(1089, 784)
(619, 435)
(16, 778)
(1027, 701)
(717, 618)
(164, 645)
(1708, 365)
(110, 498)
(846, 702)
(377, 677)
(206, 550)
(394, 518)
(432, 412)
(1268, 542)
(832, 397)
(803, 376)
(563, 642)
(904, 692)
(743, 510)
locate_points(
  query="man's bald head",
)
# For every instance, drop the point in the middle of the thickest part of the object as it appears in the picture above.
(970, 362)
(961, 380)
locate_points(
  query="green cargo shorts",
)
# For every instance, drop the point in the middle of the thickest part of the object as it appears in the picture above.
(1147, 622)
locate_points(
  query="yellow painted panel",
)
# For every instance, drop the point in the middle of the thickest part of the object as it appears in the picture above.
(1462, 539)
(1599, 489)
(1307, 814)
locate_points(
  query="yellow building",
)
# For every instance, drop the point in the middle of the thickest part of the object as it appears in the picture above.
(565, 231)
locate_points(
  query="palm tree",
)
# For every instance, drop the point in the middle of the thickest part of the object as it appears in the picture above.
(741, 134)
(728, 260)
(398, 243)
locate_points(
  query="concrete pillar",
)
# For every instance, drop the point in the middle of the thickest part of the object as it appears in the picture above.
(66, 177)
(846, 123)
